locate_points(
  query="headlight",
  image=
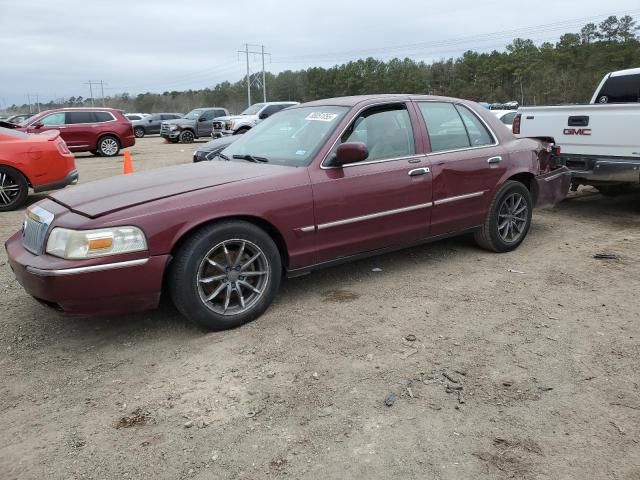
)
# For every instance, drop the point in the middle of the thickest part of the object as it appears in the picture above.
(80, 244)
(174, 127)
(228, 126)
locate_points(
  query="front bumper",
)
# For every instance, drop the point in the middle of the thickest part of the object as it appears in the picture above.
(106, 286)
(552, 187)
(70, 179)
(171, 134)
(221, 133)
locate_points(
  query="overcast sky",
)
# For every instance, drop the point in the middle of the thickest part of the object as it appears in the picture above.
(52, 47)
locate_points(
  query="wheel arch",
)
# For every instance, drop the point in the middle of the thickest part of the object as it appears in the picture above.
(259, 222)
(528, 180)
(14, 166)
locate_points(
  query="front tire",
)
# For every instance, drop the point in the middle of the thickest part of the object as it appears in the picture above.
(108, 146)
(225, 275)
(509, 219)
(138, 132)
(187, 136)
(13, 189)
(241, 131)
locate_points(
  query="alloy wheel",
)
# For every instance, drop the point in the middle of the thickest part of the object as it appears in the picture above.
(232, 277)
(9, 189)
(512, 217)
(109, 146)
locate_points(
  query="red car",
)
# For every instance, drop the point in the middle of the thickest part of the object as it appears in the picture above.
(315, 185)
(101, 131)
(42, 162)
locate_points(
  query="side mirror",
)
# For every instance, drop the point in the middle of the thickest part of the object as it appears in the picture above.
(38, 125)
(263, 115)
(350, 152)
(150, 121)
(202, 119)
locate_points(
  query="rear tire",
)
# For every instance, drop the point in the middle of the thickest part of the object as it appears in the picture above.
(508, 220)
(108, 146)
(14, 189)
(138, 132)
(225, 275)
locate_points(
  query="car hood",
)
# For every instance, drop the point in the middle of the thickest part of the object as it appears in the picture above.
(218, 143)
(180, 121)
(102, 197)
(237, 117)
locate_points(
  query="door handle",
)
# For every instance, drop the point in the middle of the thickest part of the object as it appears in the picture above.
(497, 159)
(418, 171)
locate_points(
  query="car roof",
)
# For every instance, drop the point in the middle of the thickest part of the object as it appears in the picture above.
(629, 71)
(365, 100)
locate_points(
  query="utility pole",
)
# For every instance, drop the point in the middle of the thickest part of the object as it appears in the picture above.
(29, 100)
(264, 79)
(90, 91)
(261, 83)
(102, 90)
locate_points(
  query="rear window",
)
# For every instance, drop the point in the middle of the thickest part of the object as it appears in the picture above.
(13, 133)
(622, 89)
(79, 117)
(101, 117)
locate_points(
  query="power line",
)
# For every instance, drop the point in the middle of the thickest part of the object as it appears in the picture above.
(542, 28)
(262, 83)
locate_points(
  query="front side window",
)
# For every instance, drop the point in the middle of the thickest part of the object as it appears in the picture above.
(386, 131)
(79, 117)
(53, 120)
(210, 115)
(290, 138)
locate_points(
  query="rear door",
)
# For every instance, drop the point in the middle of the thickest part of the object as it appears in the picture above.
(382, 201)
(467, 162)
(80, 131)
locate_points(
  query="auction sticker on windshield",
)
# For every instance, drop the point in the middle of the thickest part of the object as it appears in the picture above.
(321, 116)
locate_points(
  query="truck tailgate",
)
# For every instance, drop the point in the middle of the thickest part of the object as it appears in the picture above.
(599, 130)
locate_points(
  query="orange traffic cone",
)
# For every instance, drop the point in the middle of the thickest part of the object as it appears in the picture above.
(127, 166)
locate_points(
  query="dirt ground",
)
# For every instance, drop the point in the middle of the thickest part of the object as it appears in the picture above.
(546, 355)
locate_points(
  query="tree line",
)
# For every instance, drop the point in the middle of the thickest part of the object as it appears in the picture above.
(567, 71)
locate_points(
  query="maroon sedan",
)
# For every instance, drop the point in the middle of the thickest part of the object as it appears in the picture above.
(101, 131)
(316, 185)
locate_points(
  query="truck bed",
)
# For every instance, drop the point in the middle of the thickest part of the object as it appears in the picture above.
(602, 130)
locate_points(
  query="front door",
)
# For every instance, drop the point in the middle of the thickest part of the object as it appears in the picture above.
(382, 201)
(467, 163)
(205, 123)
(53, 121)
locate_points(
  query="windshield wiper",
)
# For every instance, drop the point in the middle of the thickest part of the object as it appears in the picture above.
(251, 158)
(209, 156)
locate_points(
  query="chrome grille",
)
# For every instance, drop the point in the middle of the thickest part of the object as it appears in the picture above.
(34, 229)
(218, 125)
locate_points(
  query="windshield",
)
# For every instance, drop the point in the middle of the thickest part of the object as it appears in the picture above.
(193, 114)
(253, 109)
(290, 138)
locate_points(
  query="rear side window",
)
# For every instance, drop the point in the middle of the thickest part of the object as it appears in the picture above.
(220, 113)
(209, 115)
(101, 117)
(622, 89)
(479, 136)
(79, 117)
(446, 130)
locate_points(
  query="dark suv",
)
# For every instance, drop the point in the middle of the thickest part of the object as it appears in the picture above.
(195, 124)
(151, 125)
(101, 131)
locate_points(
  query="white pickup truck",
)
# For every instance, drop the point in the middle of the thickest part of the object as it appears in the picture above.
(599, 142)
